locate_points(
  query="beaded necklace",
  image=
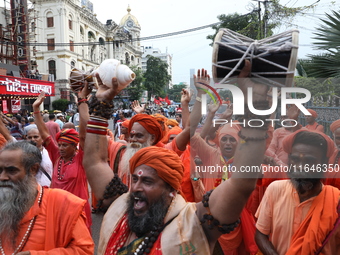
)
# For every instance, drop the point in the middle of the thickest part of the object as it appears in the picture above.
(28, 231)
(60, 177)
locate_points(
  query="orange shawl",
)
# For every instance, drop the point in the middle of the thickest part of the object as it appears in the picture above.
(317, 224)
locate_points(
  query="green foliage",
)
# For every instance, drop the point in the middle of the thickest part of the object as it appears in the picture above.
(273, 14)
(175, 92)
(156, 76)
(135, 89)
(327, 64)
(60, 104)
(243, 24)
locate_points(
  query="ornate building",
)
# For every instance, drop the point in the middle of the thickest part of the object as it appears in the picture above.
(67, 34)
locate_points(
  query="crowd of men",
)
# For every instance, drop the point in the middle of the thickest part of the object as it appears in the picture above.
(159, 180)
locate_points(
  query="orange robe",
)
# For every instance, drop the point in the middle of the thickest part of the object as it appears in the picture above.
(2, 141)
(59, 228)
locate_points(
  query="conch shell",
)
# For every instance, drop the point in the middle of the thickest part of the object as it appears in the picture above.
(78, 78)
(110, 68)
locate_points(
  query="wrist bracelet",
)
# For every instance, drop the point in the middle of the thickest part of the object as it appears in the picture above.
(84, 100)
(199, 99)
(36, 112)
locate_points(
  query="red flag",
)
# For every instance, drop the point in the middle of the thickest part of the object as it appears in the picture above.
(156, 101)
(161, 99)
(167, 100)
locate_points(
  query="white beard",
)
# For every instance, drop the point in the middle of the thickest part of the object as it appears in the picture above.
(131, 150)
(14, 204)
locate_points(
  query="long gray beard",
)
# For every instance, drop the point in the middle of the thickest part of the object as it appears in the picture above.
(128, 154)
(14, 204)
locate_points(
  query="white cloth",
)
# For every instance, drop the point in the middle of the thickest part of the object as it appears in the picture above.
(46, 164)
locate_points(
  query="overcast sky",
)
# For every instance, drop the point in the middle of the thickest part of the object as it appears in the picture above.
(192, 50)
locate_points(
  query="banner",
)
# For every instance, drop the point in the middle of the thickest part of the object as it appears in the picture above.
(4, 106)
(10, 85)
(16, 105)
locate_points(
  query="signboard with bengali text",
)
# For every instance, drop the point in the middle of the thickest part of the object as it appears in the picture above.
(10, 85)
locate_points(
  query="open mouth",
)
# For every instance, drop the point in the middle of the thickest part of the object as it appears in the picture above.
(139, 204)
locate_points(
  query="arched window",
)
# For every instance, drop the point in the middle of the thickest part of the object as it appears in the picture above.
(52, 68)
(70, 22)
(81, 30)
(73, 64)
(101, 41)
(49, 18)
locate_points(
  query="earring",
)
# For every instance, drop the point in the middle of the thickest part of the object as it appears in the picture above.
(171, 194)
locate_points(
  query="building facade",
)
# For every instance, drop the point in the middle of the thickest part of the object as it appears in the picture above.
(66, 33)
(165, 57)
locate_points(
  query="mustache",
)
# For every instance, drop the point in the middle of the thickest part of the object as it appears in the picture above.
(7, 184)
(139, 196)
(136, 145)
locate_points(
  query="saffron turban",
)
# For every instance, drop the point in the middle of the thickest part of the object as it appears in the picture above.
(68, 135)
(171, 122)
(168, 165)
(314, 114)
(126, 123)
(288, 142)
(149, 123)
(335, 125)
(228, 130)
(174, 131)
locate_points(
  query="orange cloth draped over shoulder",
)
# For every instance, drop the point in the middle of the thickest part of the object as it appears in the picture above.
(319, 221)
(168, 165)
(150, 124)
(2, 141)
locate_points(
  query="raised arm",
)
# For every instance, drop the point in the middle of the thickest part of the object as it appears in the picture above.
(98, 171)
(44, 133)
(212, 109)
(228, 199)
(185, 99)
(83, 109)
(3, 129)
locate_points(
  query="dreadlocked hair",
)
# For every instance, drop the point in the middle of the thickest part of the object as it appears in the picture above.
(115, 188)
(100, 108)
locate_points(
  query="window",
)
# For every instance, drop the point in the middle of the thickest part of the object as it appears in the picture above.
(73, 64)
(70, 23)
(71, 45)
(50, 22)
(49, 17)
(52, 68)
(50, 44)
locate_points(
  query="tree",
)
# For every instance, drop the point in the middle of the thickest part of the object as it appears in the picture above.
(175, 92)
(156, 76)
(60, 104)
(255, 27)
(327, 64)
(243, 24)
(135, 89)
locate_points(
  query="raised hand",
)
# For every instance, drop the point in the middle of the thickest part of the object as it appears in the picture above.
(137, 107)
(39, 100)
(201, 79)
(85, 91)
(228, 112)
(213, 107)
(293, 112)
(244, 82)
(105, 93)
(185, 96)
